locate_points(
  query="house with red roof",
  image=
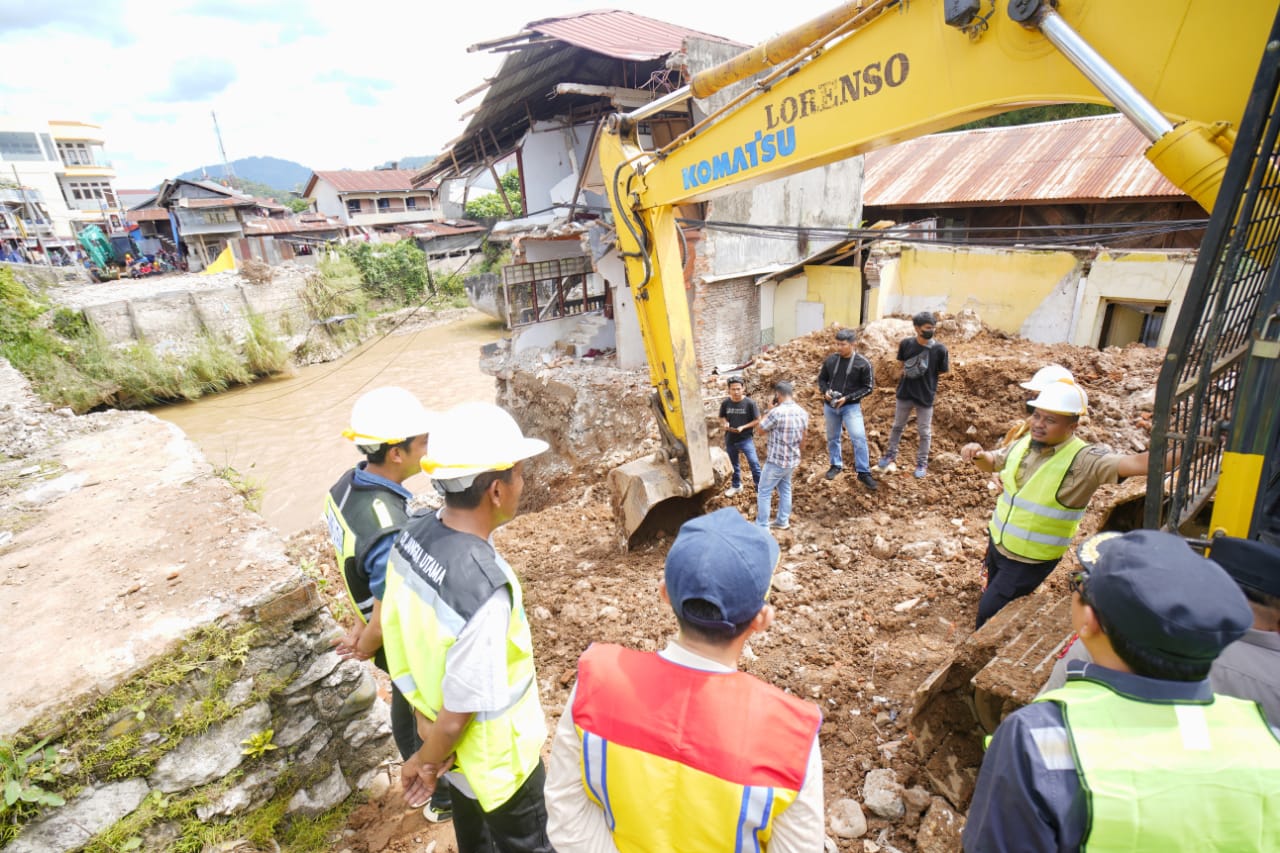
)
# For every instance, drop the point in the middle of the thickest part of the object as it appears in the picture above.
(373, 201)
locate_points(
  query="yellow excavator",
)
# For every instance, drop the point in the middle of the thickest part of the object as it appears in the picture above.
(870, 74)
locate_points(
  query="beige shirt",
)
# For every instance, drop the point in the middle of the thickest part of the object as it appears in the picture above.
(577, 825)
(1094, 466)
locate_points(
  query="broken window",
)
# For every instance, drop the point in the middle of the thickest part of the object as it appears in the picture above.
(546, 290)
(353, 205)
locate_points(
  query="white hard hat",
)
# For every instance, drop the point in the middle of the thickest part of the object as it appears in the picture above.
(388, 416)
(1047, 374)
(473, 438)
(1063, 397)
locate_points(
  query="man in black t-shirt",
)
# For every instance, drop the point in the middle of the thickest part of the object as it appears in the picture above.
(922, 360)
(738, 414)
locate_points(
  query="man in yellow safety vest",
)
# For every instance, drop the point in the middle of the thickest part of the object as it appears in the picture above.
(1048, 477)
(458, 642)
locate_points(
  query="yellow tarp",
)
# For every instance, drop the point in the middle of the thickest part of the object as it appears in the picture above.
(225, 261)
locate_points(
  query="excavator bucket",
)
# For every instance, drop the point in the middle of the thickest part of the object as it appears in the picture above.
(641, 485)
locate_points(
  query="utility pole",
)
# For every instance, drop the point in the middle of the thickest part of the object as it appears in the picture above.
(227, 173)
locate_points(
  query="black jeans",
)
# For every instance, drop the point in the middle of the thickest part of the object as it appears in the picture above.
(517, 826)
(1008, 579)
(404, 728)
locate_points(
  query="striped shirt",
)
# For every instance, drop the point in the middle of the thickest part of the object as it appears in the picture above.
(785, 424)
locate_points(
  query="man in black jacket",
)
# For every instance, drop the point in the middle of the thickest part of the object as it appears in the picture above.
(845, 378)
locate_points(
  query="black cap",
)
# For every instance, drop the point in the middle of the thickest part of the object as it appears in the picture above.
(1152, 589)
(1253, 564)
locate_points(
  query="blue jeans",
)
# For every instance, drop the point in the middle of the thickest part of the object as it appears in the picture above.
(850, 417)
(746, 445)
(773, 477)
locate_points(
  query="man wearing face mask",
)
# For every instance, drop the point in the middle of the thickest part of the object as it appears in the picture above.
(922, 360)
(1048, 477)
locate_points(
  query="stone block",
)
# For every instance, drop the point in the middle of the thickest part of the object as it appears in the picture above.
(847, 820)
(69, 827)
(940, 830)
(293, 605)
(882, 795)
(319, 668)
(367, 727)
(211, 755)
(322, 796)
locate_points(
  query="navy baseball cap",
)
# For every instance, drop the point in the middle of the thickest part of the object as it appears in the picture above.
(725, 560)
(1151, 588)
(1253, 564)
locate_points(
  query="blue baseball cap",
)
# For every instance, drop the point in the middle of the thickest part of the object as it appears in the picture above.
(1152, 589)
(725, 560)
(1254, 565)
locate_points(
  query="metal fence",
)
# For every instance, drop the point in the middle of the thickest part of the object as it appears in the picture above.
(547, 290)
(1217, 390)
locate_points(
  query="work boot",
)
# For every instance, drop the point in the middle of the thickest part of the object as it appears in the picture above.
(867, 480)
(833, 472)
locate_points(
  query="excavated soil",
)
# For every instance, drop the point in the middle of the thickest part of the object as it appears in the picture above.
(875, 589)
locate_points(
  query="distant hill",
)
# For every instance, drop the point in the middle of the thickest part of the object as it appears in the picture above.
(282, 175)
(410, 163)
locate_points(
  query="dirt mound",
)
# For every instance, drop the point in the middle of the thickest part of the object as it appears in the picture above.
(874, 590)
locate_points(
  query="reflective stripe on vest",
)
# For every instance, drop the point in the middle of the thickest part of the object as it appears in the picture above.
(357, 516)
(1172, 775)
(728, 751)
(1029, 521)
(437, 579)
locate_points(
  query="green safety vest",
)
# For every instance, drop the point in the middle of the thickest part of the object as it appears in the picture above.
(358, 516)
(437, 579)
(1029, 521)
(1166, 776)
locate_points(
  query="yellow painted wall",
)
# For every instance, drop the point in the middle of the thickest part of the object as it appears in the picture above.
(1133, 277)
(787, 294)
(1006, 288)
(840, 290)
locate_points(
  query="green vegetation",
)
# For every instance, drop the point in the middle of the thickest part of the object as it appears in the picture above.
(298, 205)
(490, 206)
(258, 744)
(69, 363)
(249, 488)
(1034, 115)
(26, 777)
(397, 271)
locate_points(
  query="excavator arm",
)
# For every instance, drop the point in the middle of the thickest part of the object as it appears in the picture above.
(870, 74)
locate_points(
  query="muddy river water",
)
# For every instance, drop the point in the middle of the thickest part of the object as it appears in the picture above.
(286, 433)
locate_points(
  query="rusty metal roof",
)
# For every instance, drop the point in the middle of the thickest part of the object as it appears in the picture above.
(147, 214)
(288, 225)
(622, 35)
(1082, 159)
(605, 47)
(375, 180)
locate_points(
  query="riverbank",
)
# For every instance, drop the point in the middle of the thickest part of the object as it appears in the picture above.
(136, 344)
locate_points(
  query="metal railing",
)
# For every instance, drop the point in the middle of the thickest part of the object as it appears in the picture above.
(1216, 391)
(547, 290)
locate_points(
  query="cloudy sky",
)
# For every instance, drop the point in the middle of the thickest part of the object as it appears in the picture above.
(329, 84)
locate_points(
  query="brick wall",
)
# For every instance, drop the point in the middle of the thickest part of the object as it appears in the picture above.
(726, 321)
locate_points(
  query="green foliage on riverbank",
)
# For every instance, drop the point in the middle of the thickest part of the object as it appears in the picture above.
(398, 272)
(70, 364)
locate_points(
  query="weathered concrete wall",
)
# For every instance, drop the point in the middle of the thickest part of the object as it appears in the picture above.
(181, 315)
(1048, 296)
(170, 632)
(38, 276)
(1133, 277)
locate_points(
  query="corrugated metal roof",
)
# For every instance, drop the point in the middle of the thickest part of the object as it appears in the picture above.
(147, 214)
(622, 35)
(375, 180)
(1081, 159)
(590, 48)
(287, 225)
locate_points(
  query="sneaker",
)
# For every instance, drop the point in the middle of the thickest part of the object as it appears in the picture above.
(867, 480)
(921, 470)
(833, 471)
(781, 525)
(885, 462)
(732, 490)
(438, 812)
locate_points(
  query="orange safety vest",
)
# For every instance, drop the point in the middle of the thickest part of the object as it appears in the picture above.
(685, 759)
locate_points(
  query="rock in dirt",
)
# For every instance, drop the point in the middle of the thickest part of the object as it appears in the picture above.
(86, 816)
(918, 550)
(785, 582)
(916, 799)
(882, 795)
(322, 796)
(940, 830)
(847, 820)
(881, 548)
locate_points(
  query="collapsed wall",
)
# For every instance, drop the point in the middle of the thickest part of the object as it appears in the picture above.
(173, 665)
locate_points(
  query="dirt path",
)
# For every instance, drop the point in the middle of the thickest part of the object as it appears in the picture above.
(873, 591)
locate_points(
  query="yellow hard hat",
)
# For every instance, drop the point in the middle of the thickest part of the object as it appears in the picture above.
(473, 438)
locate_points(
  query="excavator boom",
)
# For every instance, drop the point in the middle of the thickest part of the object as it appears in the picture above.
(873, 73)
